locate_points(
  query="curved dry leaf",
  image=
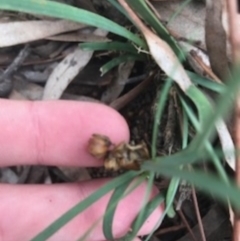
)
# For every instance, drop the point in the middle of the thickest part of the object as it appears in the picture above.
(189, 49)
(226, 143)
(64, 73)
(67, 69)
(167, 60)
(13, 33)
(161, 52)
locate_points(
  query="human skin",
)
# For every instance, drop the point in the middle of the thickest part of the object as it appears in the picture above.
(57, 133)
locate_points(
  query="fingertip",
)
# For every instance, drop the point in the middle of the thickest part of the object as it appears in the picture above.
(73, 125)
(55, 132)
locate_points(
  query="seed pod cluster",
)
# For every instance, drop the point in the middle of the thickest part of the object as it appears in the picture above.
(120, 156)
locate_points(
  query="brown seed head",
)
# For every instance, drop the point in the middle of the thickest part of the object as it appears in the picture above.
(99, 145)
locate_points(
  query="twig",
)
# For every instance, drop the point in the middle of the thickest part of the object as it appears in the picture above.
(200, 224)
(5, 78)
(123, 100)
(187, 225)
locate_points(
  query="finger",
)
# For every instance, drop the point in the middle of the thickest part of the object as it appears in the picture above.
(55, 132)
(42, 205)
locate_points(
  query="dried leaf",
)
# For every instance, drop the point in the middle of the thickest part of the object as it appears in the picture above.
(67, 69)
(64, 73)
(226, 143)
(13, 33)
(161, 52)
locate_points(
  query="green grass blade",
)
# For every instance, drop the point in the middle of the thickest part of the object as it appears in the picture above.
(119, 8)
(147, 211)
(141, 218)
(160, 107)
(109, 215)
(88, 232)
(205, 82)
(113, 46)
(77, 209)
(120, 59)
(209, 147)
(174, 184)
(180, 158)
(171, 192)
(64, 11)
(224, 102)
(209, 183)
(114, 203)
(145, 12)
(179, 10)
(202, 104)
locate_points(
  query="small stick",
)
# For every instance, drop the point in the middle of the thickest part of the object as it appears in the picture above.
(5, 77)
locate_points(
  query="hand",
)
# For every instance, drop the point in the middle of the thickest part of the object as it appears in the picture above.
(57, 133)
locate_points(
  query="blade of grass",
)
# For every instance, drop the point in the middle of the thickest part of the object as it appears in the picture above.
(224, 102)
(160, 107)
(147, 211)
(64, 11)
(209, 147)
(141, 218)
(174, 184)
(205, 82)
(209, 183)
(179, 10)
(120, 59)
(114, 204)
(113, 46)
(118, 194)
(83, 205)
(109, 215)
(119, 8)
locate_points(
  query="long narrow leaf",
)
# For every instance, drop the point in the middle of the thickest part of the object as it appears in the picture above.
(109, 215)
(209, 147)
(205, 82)
(120, 59)
(83, 205)
(113, 46)
(141, 218)
(209, 183)
(157, 118)
(224, 102)
(64, 11)
(112, 205)
(147, 211)
(174, 184)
